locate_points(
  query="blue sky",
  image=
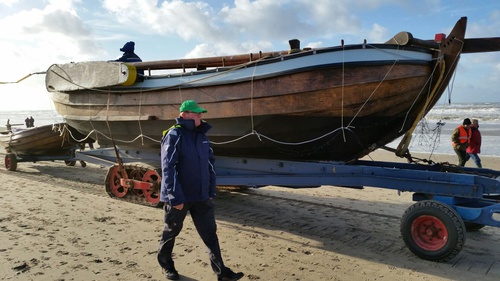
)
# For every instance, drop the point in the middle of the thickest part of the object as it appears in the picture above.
(36, 34)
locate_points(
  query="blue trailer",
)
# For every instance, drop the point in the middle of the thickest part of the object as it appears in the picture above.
(450, 200)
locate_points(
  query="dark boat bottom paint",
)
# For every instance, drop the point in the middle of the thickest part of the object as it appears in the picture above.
(321, 138)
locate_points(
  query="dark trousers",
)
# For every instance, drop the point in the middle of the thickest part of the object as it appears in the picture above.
(203, 217)
(462, 157)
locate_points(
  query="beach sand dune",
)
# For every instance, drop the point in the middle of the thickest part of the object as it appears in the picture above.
(58, 223)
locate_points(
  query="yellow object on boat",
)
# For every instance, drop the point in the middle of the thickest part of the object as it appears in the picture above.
(131, 74)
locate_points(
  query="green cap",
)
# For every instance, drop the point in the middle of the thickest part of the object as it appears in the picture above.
(191, 105)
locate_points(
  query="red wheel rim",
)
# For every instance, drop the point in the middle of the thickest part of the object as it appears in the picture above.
(152, 194)
(8, 162)
(429, 233)
(114, 183)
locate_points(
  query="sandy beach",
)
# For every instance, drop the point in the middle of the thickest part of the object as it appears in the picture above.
(58, 223)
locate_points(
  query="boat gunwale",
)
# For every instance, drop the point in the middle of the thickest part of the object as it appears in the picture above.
(210, 77)
(281, 58)
(189, 84)
(283, 55)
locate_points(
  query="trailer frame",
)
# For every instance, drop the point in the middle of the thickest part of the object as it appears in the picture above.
(450, 199)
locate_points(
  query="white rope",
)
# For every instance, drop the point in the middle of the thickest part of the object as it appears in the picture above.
(455, 61)
(342, 99)
(281, 142)
(259, 135)
(251, 96)
(96, 132)
(372, 93)
(75, 139)
(139, 119)
(429, 81)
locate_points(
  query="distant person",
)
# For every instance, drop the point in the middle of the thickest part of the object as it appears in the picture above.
(460, 141)
(474, 143)
(8, 126)
(30, 122)
(188, 185)
(129, 56)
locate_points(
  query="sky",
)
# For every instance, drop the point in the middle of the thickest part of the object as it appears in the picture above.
(35, 34)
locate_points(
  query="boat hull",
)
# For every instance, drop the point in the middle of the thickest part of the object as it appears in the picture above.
(346, 120)
(48, 140)
(333, 104)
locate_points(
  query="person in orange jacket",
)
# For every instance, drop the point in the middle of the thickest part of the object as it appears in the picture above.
(460, 141)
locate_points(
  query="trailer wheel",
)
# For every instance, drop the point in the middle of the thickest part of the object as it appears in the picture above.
(433, 231)
(10, 162)
(472, 226)
(112, 183)
(152, 195)
(70, 163)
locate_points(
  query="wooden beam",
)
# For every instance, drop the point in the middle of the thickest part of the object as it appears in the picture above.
(481, 45)
(220, 61)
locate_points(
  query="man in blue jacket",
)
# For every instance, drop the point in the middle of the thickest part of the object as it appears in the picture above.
(188, 184)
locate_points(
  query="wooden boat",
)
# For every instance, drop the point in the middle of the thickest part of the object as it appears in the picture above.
(49, 140)
(337, 103)
(43, 140)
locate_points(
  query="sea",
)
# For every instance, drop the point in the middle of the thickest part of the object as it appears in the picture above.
(433, 133)
(431, 136)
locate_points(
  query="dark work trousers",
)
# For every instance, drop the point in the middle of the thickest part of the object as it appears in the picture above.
(202, 214)
(462, 157)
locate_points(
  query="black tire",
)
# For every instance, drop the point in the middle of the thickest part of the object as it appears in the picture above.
(10, 162)
(472, 226)
(83, 164)
(433, 231)
(70, 163)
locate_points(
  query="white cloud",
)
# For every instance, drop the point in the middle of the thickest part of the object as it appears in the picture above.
(9, 2)
(245, 26)
(378, 34)
(283, 20)
(65, 5)
(45, 37)
(315, 44)
(187, 19)
(202, 50)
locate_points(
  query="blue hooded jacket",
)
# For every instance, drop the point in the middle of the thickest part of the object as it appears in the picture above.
(128, 53)
(187, 163)
(130, 56)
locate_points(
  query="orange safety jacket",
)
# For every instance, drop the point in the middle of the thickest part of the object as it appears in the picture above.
(464, 136)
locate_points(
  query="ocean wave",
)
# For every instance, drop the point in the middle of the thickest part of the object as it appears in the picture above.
(484, 112)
